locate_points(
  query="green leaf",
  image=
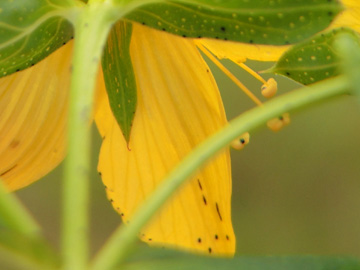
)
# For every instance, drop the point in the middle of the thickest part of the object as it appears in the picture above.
(31, 30)
(254, 21)
(156, 259)
(313, 60)
(119, 76)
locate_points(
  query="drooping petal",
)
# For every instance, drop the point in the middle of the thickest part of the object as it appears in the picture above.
(178, 107)
(33, 112)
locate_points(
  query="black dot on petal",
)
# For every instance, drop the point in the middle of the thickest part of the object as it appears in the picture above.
(288, 73)
(242, 141)
(143, 23)
(216, 237)
(183, 35)
(199, 240)
(150, 239)
(204, 199)
(227, 237)
(210, 250)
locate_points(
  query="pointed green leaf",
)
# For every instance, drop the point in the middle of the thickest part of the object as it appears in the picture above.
(165, 259)
(255, 21)
(313, 60)
(31, 30)
(119, 76)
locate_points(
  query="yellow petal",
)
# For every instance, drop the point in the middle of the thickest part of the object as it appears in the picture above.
(178, 107)
(350, 17)
(33, 110)
(240, 52)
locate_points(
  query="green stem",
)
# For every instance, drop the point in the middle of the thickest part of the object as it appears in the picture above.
(91, 30)
(15, 215)
(116, 249)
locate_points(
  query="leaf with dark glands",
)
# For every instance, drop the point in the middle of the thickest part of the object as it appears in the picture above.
(255, 21)
(31, 30)
(315, 59)
(119, 76)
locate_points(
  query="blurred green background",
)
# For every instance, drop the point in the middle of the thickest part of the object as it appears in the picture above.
(294, 192)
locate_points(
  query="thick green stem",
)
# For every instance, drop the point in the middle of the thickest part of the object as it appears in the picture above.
(119, 244)
(91, 30)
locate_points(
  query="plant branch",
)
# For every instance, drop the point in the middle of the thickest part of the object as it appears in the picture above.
(91, 30)
(16, 217)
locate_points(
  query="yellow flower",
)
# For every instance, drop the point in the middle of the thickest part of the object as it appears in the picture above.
(178, 107)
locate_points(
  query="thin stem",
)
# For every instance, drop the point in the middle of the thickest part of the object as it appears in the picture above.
(91, 30)
(116, 249)
(15, 215)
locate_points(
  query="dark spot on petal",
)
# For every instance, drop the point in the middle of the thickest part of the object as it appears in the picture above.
(222, 28)
(288, 73)
(200, 186)
(204, 199)
(210, 250)
(8, 170)
(227, 237)
(150, 239)
(216, 237)
(218, 211)
(183, 35)
(199, 240)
